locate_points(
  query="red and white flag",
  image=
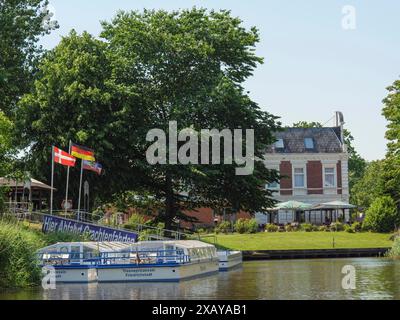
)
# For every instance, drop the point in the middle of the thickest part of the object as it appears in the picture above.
(63, 158)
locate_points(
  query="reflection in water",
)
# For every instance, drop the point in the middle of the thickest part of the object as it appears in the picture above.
(271, 280)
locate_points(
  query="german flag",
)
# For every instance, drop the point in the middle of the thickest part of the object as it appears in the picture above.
(82, 153)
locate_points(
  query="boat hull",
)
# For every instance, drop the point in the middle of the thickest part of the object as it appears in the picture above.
(69, 274)
(229, 260)
(156, 273)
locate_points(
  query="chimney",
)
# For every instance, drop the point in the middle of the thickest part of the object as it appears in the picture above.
(340, 123)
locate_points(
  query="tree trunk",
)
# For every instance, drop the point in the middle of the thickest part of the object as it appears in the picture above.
(170, 210)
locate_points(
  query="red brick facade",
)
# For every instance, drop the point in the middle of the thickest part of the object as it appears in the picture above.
(314, 177)
(339, 177)
(314, 174)
(286, 182)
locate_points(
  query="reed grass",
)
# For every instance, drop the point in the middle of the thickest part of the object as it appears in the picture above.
(19, 243)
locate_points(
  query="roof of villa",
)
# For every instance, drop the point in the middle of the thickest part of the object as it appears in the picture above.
(307, 140)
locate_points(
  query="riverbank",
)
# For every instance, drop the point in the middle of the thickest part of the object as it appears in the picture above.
(18, 244)
(303, 241)
(314, 254)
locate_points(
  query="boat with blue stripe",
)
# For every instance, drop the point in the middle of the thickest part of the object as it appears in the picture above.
(155, 261)
(229, 260)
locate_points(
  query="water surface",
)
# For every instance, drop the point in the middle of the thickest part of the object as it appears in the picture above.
(267, 280)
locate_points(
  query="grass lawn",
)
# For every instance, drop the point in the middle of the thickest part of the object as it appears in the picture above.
(301, 240)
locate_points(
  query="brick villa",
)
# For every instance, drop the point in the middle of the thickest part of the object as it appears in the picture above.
(314, 165)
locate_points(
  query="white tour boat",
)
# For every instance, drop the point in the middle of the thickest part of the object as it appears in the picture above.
(229, 259)
(155, 261)
(158, 261)
(75, 262)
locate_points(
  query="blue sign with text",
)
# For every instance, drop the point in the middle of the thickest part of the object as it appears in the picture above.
(96, 232)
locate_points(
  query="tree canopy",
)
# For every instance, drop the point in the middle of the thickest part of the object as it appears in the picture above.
(391, 112)
(150, 68)
(22, 22)
(6, 127)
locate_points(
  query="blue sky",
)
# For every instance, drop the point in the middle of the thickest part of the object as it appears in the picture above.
(312, 67)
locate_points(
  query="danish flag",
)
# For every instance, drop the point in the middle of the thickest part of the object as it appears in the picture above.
(63, 158)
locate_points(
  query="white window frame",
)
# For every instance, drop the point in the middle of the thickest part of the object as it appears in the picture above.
(278, 142)
(329, 166)
(311, 141)
(304, 167)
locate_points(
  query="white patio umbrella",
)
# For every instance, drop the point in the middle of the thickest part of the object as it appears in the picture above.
(334, 205)
(293, 206)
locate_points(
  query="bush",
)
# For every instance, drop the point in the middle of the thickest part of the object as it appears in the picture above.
(289, 228)
(315, 227)
(240, 226)
(324, 228)
(307, 227)
(349, 229)
(395, 251)
(357, 226)
(246, 226)
(382, 215)
(18, 264)
(223, 227)
(337, 226)
(135, 219)
(271, 228)
(201, 231)
(252, 226)
(54, 237)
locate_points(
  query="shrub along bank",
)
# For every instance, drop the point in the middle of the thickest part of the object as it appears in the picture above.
(18, 245)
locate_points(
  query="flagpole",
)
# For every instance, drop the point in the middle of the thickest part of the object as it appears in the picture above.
(80, 189)
(52, 180)
(66, 192)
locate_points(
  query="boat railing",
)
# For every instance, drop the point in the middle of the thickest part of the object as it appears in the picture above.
(148, 257)
(67, 258)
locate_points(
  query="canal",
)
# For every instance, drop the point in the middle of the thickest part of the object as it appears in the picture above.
(270, 280)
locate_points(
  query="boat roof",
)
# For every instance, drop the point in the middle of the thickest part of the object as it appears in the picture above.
(120, 246)
(100, 246)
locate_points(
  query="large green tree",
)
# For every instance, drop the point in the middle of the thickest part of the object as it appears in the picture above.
(73, 100)
(391, 112)
(370, 186)
(6, 127)
(153, 67)
(22, 22)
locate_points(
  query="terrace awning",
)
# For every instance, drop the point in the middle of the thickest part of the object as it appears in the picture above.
(293, 205)
(35, 184)
(334, 205)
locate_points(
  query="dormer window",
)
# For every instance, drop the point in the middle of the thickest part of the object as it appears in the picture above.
(279, 144)
(309, 143)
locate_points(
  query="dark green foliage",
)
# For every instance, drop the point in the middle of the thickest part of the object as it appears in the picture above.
(394, 252)
(224, 227)
(370, 186)
(154, 67)
(382, 215)
(307, 227)
(22, 22)
(18, 267)
(271, 228)
(246, 226)
(337, 226)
